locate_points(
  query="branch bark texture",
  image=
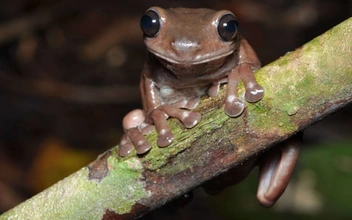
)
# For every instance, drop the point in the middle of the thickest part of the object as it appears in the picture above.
(301, 88)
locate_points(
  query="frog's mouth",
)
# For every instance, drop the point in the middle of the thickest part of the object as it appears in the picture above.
(188, 60)
(199, 68)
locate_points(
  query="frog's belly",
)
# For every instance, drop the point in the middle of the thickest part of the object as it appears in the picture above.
(171, 95)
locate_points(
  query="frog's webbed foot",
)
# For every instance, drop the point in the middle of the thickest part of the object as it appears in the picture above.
(275, 171)
(159, 118)
(234, 105)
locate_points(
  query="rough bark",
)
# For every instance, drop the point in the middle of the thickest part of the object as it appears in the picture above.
(301, 88)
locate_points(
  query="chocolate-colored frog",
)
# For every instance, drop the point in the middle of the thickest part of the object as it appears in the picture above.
(190, 53)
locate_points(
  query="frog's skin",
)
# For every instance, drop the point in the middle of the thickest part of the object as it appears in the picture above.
(190, 53)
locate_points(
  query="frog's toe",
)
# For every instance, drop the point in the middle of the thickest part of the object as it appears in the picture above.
(143, 146)
(234, 106)
(254, 92)
(190, 119)
(165, 138)
(126, 146)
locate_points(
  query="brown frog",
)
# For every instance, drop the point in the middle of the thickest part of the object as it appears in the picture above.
(190, 53)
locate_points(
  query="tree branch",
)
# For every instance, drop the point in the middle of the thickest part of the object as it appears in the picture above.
(300, 88)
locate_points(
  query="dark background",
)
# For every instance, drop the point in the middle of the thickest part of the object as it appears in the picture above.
(69, 72)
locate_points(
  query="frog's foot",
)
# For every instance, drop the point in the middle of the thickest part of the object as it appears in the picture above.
(135, 128)
(275, 171)
(133, 138)
(254, 92)
(159, 118)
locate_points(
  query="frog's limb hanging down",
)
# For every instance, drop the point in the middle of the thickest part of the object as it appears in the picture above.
(275, 170)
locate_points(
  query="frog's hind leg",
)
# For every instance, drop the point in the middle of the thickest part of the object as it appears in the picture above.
(133, 124)
(275, 171)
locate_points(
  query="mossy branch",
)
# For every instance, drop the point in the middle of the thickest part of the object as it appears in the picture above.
(301, 88)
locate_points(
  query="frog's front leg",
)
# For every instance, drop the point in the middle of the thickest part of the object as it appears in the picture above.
(136, 123)
(248, 62)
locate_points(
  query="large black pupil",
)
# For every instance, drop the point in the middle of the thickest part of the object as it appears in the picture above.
(147, 22)
(231, 26)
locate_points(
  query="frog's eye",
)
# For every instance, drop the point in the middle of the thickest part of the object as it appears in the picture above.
(150, 23)
(227, 27)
